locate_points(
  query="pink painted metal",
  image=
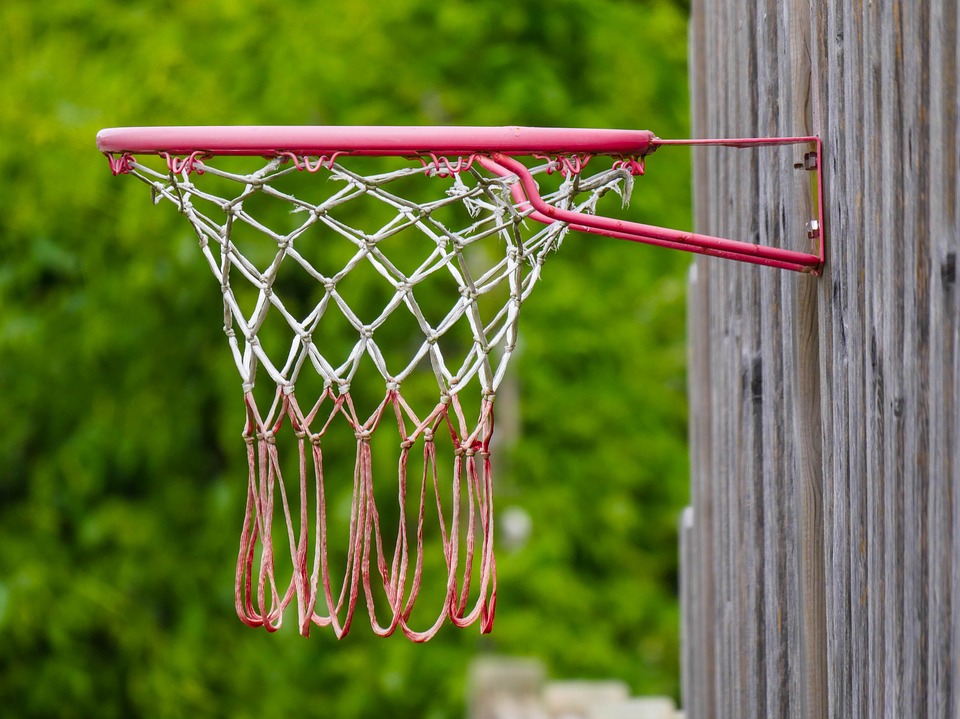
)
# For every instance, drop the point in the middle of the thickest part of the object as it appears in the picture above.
(526, 193)
(493, 148)
(373, 140)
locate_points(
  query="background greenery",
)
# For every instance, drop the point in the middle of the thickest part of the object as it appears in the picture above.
(121, 465)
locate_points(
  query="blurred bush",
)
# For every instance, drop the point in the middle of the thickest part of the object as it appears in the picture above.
(122, 471)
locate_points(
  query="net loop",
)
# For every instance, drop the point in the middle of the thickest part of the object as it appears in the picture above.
(443, 167)
(312, 165)
(634, 165)
(185, 164)
(120, 164)
(566, 165)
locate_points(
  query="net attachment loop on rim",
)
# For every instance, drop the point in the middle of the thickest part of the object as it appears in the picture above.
(448, 240)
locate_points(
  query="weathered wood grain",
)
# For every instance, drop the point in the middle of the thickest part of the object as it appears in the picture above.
(943, 616)
(825, 416)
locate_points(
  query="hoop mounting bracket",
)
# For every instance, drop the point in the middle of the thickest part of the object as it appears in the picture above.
(811, 162)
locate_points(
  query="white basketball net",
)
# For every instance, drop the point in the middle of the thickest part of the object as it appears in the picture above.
(508, 267)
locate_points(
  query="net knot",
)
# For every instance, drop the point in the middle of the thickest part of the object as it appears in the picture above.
(428, 435)
(363, 435)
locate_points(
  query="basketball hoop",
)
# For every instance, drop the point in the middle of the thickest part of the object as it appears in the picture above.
(478, 223)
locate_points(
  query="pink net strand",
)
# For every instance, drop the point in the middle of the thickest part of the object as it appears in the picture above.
(369, 563)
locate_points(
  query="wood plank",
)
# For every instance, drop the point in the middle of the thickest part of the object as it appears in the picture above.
(873, 140)
(941, 629)
(727, 399)
(691, 680)
(776, 521)
(747, 472)
(952, 419)
(912, 44)
(831, 474)
(700, 626)
(697, 629)
(803, 334)
(850, 379)
(893, 284)
(828, 63)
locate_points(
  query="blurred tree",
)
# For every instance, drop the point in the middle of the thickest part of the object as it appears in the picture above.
(121, 466)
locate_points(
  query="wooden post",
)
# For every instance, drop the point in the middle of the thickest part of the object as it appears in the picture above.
(821, 552)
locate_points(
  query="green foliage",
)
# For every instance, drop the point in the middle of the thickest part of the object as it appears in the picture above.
(121, 465)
